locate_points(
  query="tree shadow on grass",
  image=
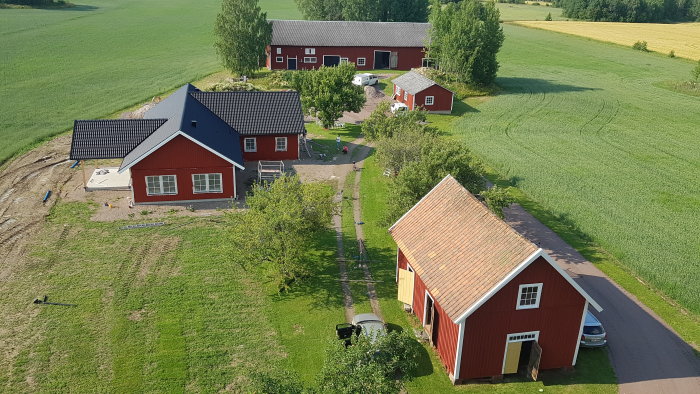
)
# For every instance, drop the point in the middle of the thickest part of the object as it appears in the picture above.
(516, 85)
(74, 7)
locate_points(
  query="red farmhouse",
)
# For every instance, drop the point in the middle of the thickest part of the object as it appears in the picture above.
(188, 146)
(304, 45)
(491, 302)
(416, 91)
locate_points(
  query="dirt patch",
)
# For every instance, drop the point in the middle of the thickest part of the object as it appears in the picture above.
(374, 97)
(137, 315)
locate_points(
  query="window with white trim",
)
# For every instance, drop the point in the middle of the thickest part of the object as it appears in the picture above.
(161, 185)
(344, 60)
(279, 51)
(398, 91)
(405, 95)
(206, 183)
(250, 145)
(279, 59)
(429, 100)
(529, 296)
(309, 51)
(281, 144)
(523, 336)
(310, 60)
(361, 61)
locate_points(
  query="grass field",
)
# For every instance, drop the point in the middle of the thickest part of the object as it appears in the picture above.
(682, 38)
(583, 130)
(91, 60)
(527, 12)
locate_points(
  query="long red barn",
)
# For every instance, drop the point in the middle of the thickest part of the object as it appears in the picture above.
(491, 302)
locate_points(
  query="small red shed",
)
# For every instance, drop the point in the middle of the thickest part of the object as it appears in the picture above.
(306, 45)
(492, 302)
(415, 90)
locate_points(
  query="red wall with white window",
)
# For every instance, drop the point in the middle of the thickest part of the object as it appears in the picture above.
(558, 319)
(442, 99)
(408, 57)
(182, 158)
(266, 146)
(403, 97)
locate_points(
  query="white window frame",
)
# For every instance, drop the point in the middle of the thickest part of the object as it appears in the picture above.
(405, 95)
(310, 60)
(277, 141)
(537, 299)
(431, 99)
(206, 181)
(160, 185)
(361, 61)
(309, 51)
(398, 91)
(245, 144)
(344, 60)
(279, 59)
(279, 51)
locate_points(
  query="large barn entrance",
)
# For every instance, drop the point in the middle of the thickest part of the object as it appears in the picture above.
(331, 60)
(381, 59)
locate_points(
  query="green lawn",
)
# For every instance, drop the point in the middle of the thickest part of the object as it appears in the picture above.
(525, 12)
(89, 61)
(583, 129)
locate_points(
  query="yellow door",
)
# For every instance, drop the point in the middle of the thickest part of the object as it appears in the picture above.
(512, 357)
(406, 286)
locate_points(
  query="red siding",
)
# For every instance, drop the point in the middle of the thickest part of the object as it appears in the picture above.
(408, 58)
(181, 157)
(558, 319)
(266, 148)
(442, 99)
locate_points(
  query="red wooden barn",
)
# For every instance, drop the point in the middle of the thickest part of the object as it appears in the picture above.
(304, 45)
(415, 90)
(492, 302)
(188, 146)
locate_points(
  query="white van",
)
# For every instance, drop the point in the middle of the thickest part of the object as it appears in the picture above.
(365, 79)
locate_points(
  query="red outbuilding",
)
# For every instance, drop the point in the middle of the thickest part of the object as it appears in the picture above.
(305, 45)
(491, 302)
(189, 146)
(417, 91)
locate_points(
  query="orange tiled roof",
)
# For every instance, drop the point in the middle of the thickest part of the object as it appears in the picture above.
(458, 247)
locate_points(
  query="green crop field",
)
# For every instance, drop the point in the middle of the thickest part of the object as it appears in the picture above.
(527, 12)
(583, 129)
(91, 60)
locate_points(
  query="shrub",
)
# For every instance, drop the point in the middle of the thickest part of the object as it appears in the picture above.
(672, 53)
(548, 17)
(696, 72)
(640, 46)
(232, 86)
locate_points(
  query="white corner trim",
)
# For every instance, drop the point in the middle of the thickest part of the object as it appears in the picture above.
(425, 304)
(458, 355)
(165, 141)
(571, 281)
(499, 286)
(580, 332)
(420, 201)
(398, 250)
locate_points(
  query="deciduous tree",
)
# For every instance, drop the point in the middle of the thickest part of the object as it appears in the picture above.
(242, 34)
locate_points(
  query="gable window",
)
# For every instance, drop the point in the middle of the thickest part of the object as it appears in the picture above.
(161, 185)
(529, 296)
(310, 60)
(309, 51)
(279, 51)
(206, 183)
(429, 100)
(279, 59)
(405, 95)
(361, 61)
(280, 144)
(250, 145)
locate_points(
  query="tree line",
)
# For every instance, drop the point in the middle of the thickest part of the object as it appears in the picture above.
(365, 10)
(631, 10)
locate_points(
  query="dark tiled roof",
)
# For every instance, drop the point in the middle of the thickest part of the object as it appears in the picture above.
(412, 82)
(256, 113)
(109, 139)
(346, 33)
(182, 110)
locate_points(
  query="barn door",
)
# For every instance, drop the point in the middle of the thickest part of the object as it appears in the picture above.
(406, 286)
(394, 60)
(429, 317)
(533, 366)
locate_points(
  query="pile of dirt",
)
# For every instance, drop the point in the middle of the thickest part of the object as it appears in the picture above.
(372, 92)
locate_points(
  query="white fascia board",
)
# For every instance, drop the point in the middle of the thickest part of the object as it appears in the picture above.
(580, 332)
(458, 355)
(418, 203)
(499, 286)
(571, 281)
(165, 141)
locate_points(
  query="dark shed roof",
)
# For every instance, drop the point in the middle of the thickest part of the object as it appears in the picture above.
(109, 139)
(256, 113)
(349, 33)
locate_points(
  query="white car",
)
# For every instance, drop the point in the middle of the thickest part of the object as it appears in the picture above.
(365, 79)
(397, 108)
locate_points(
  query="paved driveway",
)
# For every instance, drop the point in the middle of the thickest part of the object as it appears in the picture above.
(647, 355)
